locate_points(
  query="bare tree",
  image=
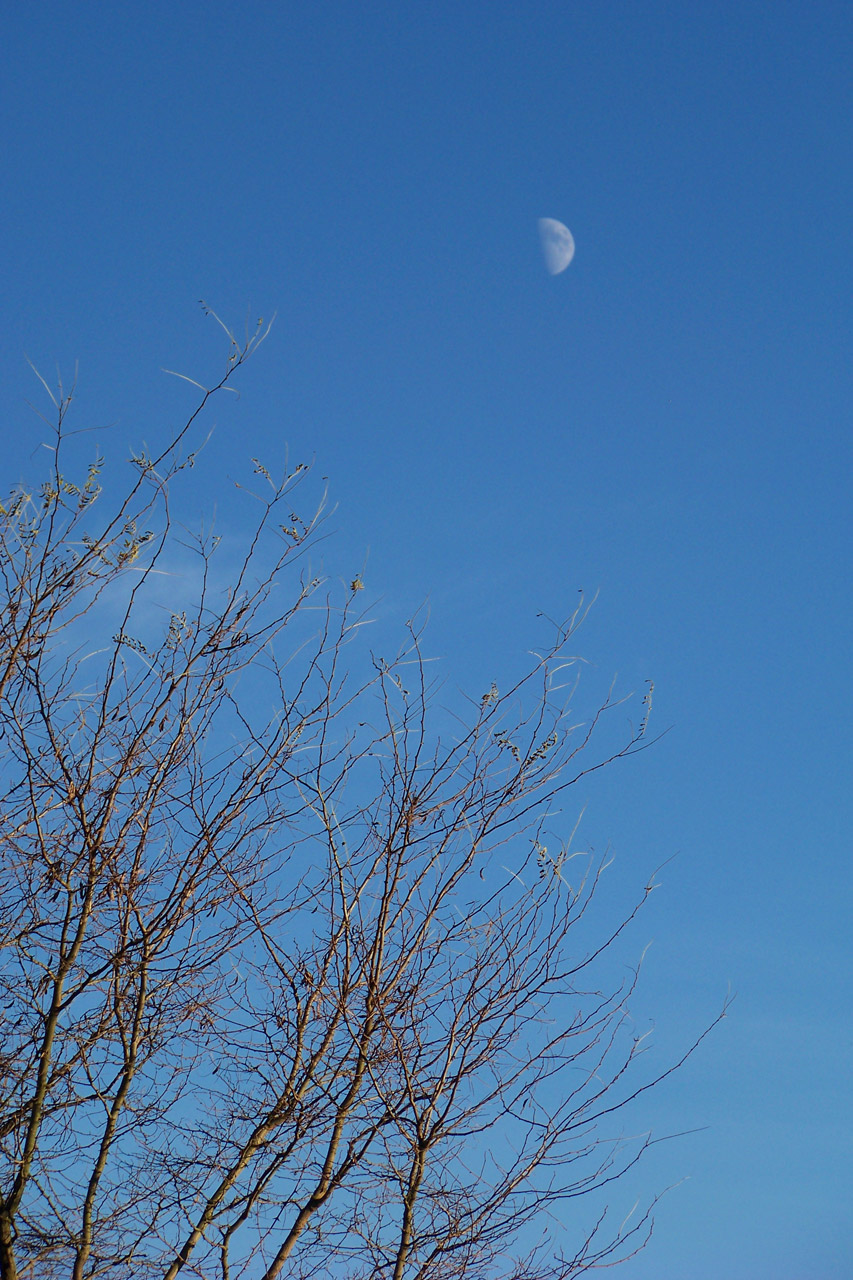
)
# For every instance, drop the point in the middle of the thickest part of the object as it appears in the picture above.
(291, 983)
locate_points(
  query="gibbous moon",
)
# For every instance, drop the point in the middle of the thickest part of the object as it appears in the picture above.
(558, 246)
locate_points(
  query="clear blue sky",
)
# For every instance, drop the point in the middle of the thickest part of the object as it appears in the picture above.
(667, 422)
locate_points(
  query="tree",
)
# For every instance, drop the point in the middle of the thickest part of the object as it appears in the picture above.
(291, 983)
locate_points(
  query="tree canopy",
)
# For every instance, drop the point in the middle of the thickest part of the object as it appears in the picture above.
(299, 969)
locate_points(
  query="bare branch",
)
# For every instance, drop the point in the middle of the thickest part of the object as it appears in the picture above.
(301, 972)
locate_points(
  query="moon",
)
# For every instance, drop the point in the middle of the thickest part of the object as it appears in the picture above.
(558, 246)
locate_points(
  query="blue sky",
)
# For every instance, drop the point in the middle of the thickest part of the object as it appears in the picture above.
(668, 423)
